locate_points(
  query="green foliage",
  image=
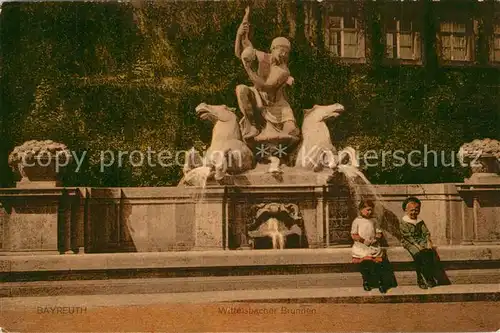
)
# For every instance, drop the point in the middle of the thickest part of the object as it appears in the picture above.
(110, 76)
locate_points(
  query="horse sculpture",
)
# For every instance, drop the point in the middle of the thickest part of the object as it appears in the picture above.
(316, 150)
(227, 152)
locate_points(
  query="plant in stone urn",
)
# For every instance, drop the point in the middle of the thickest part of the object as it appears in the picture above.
(483, 157)
(37, 161)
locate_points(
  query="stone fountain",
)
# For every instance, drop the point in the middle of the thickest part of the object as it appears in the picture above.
(262, 183)
(280, 180)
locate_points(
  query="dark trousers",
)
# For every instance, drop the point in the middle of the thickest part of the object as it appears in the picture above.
(373, 273)
(425, 264)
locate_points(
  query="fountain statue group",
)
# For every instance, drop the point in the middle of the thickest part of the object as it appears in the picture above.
(267, 132)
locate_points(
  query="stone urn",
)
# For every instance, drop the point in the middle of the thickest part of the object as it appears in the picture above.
(39, 163)
(483, 158)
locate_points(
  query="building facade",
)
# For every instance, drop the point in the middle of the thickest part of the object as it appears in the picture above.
(406, 32)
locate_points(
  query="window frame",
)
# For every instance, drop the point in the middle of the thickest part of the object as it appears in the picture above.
(341, 32)
(469, 34)
(396, 33)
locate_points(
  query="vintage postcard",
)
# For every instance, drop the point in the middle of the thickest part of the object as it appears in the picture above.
(250, 166)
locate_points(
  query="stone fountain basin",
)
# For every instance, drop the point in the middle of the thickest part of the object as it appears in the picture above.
(290, 176)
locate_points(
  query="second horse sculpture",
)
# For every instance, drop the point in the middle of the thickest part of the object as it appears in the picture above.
(316, 149)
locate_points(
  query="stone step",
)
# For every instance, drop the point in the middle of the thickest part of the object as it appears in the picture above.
(223, 263)
(225, 283)
(451, 293)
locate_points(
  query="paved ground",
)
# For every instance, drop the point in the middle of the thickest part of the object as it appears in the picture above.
(408, 317)
(225, 283)
(295, 308)
(218, 312)
(313, 295)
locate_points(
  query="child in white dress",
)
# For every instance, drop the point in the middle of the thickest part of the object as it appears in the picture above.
(366, 250)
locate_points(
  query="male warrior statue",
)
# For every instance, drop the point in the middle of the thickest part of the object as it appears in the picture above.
(267, 115)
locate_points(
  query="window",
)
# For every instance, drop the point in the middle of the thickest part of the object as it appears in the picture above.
(455, 41)
(344, 37)
(402, 42)
(495, 44)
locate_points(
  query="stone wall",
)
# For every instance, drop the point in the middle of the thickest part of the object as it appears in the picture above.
(96, 220)
(154, 219)
(441, 208)
(42, 220)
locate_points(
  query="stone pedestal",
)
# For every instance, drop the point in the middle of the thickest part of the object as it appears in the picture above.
(483, 178)
(486, 170)
(481, 213)
(41, 221)
(481, 195)
(210, 221)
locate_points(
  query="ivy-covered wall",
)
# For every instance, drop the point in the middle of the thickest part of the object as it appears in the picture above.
(126, 76)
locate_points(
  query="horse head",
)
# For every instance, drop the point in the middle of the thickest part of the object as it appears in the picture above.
(224, 120)
(317, 149)
(320, 113)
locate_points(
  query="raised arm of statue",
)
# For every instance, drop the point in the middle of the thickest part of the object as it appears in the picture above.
(242, 35)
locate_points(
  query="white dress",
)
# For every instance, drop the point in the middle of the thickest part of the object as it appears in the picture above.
(367, 230)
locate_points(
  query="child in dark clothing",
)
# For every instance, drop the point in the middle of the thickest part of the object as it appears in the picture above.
(416, 239)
